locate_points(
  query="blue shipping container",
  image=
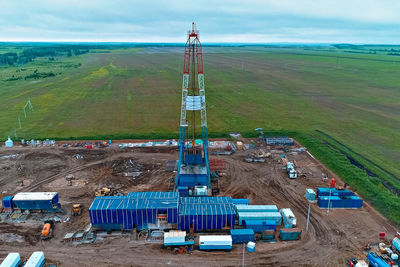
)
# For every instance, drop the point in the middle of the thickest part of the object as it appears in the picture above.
(259, 226)
(242, 235)
(327, 191)
(334, 202)
(240, 201)
(260, 216)
(7, 202)
(287, 234)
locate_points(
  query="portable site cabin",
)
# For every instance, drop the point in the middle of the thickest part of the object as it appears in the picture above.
(36, 201)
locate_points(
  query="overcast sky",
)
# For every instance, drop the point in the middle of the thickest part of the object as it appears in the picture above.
(251, 21)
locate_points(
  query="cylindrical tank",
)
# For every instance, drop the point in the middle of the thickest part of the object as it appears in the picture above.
(333, 182)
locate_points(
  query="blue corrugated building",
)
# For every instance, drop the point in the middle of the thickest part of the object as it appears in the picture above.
(137, 209)
(206, 213)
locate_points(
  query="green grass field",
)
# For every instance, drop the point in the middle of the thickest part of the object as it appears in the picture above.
(353, 97)
(135, 92)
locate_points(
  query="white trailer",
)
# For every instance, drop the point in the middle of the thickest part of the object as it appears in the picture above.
(12, 260)
(214, 242)
(289, 220)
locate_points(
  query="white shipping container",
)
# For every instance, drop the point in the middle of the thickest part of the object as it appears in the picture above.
(36, 260)
(35, 196)
(215, 240)
(12, 260)
(174, 237)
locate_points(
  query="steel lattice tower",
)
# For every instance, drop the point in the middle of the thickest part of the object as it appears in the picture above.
(193, 166)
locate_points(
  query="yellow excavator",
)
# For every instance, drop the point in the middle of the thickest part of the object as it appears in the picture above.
(76, 209)
(103, 192)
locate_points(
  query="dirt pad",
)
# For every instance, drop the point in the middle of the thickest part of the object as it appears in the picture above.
(333, 236)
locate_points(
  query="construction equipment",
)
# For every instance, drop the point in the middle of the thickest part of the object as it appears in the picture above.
(193, 164)
(47, 231)
(103, 192)
(291, 170)
(76, 209)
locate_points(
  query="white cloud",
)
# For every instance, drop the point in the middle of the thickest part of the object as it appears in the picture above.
(219, 21)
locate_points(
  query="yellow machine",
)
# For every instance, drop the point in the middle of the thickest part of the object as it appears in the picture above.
(76, 209)
(103, 192)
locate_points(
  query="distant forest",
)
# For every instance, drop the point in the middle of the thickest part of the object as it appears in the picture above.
(30, 54)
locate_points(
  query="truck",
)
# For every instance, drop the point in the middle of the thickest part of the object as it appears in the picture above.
(47, 230)
(291, 170)
(289, 220)
(215, 242)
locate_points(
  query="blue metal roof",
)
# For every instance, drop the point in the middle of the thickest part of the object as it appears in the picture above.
(205, 200)
(126, 202)
(206, 206)
(153, 195)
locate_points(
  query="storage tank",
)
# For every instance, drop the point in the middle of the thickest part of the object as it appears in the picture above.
(9, 142)
(36, 201)
(310, 194)
(251, 246)
(12, 260)
(36, 260)
(396, 243)
(215, 242)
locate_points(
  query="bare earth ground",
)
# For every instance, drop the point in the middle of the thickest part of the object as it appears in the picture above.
(332, 238)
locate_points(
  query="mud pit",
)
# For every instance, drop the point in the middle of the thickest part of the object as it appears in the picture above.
(332, 238)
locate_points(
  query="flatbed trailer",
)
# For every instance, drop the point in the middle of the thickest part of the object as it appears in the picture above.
(180, 244)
